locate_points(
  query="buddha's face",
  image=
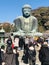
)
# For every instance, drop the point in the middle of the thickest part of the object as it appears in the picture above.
(26, 12)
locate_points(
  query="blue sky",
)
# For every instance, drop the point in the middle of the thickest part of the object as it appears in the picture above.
(11, 9)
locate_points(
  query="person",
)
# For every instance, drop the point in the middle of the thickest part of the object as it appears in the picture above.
(21, 43)
(26, 42)
(9, 57)
(44, 54)
(47, 39)
(16, 41)
(32, 55)
(2, 51)
(37, 48)
(25, 56)
(0, 57)
(9, 41)
(15, 50)
(26, 23)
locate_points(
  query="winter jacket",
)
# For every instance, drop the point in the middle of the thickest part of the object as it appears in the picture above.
(44, 55)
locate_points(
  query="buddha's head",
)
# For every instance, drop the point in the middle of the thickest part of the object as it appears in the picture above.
(26, 10)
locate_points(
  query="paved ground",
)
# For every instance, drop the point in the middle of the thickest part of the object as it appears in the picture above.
(21, 62)
(20, 56)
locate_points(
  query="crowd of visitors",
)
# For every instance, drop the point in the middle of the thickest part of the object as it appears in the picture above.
(9, 54)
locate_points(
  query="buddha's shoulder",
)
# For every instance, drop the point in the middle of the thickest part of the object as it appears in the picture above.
(33, 17)
(19, 17)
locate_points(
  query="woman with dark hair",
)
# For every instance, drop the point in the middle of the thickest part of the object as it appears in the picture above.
(9, 57)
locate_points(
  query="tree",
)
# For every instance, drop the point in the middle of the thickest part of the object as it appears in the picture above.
(7, 27)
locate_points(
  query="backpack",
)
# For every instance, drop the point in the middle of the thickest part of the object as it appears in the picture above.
(32, 55)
